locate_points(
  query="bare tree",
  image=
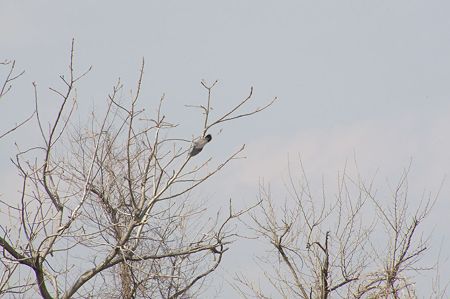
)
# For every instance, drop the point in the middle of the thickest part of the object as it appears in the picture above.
(6, 87)
(105, 208)
(356, 245)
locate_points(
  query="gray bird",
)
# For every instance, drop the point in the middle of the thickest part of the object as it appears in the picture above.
(198, 145)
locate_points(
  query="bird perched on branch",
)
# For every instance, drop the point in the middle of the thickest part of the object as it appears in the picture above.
(199, 144)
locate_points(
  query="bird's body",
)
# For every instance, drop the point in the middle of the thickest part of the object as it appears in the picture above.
(199, 144)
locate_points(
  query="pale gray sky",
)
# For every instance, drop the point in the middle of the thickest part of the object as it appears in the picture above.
(364, 78)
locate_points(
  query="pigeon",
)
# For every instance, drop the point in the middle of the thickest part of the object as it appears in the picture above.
(198, 145)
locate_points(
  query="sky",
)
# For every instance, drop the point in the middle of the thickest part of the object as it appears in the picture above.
(356, 80)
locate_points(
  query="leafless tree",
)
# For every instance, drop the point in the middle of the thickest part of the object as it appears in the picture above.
(355, 245)
(106, 209)
(6, 87)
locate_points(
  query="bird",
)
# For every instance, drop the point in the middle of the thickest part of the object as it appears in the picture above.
(198, 145)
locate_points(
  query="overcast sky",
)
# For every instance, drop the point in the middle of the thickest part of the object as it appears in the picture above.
(364, 79)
